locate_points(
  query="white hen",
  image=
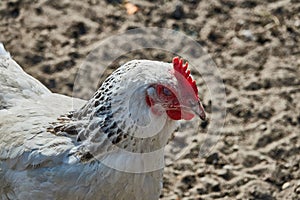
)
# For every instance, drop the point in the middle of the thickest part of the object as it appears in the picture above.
(107, 148)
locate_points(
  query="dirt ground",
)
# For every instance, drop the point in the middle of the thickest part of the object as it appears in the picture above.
(256, 46)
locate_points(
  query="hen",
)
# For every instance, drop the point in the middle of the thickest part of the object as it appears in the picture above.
(110, 147)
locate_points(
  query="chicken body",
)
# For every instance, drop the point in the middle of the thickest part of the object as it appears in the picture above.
(38, 164)
(110, 147)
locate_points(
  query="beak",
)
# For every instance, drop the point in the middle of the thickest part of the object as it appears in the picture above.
(199, 110)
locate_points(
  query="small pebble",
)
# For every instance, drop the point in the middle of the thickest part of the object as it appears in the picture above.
(235, 147)
(247, 34)
(286, 185)
(263, 127)
(297, 190)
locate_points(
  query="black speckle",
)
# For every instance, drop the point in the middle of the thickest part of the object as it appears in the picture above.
(119, 132)
(117, 139)
(114, 125)
(91, 117)
(97, 103)
(86, 156)
(102, 108)
(102, 98)
(110, 134)
(72, 130)
(98, 96)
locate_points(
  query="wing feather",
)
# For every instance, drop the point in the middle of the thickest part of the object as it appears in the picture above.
(26, 109)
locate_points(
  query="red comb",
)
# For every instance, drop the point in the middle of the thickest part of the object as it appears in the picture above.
(182, 69)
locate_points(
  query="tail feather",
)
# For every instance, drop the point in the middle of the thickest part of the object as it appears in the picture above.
(15, 83)
(3, 52)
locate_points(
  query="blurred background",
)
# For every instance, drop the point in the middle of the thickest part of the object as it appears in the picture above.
(256, 46)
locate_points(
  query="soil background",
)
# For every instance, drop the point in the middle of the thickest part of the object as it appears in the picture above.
(256, 46)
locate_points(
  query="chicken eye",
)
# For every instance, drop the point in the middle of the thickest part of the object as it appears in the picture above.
(167, 92)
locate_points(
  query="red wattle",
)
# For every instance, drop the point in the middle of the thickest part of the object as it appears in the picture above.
(178, 115)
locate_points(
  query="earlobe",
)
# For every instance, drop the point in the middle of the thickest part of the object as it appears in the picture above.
(150, 92)
(157, 109)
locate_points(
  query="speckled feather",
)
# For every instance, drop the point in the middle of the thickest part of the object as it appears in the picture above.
(75, 156)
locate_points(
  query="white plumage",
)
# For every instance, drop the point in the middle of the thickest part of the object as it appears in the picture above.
(95, 152)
